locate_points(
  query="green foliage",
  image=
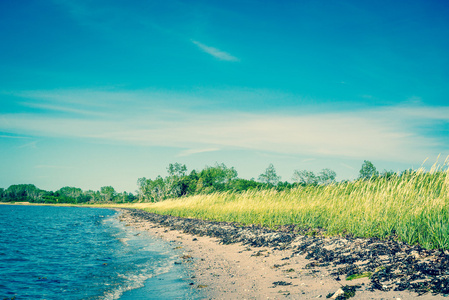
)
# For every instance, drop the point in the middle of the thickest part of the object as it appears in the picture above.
(388, 174)
(368, 170)
(178, 184)
(176, 170)
(240, 185)
(67, 195)
(413, 207)
(108, 193)
(213, 179)
(72, 195)
(269, 176)
(22, 193)
(304, 177)
(358, 276)
(327, 176)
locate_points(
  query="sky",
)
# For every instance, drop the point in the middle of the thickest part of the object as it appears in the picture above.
(101, 93)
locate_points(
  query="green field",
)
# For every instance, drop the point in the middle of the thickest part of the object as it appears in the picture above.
(414, 207)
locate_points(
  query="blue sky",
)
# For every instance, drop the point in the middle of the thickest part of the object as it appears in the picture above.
(96, 93)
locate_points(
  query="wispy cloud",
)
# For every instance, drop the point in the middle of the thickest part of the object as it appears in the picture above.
(338, 135)
(217, 53)
(347, 166)
(389, 133)
(7, 136)
(32, 145)
(196, 151)
(308, 160)
(59, 108)
(52, 167)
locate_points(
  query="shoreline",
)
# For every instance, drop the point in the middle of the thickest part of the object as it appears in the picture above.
(250, 262)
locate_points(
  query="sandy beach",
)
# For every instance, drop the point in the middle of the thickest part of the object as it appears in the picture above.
(245, 270)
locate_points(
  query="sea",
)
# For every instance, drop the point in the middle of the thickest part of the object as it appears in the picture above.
(49, 252)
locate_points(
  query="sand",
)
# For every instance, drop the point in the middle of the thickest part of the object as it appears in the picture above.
(237, 271)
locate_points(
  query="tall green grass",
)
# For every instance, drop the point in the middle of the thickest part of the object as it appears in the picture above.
(414, 207)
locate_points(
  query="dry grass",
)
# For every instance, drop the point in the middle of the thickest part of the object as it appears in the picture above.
(414, 207)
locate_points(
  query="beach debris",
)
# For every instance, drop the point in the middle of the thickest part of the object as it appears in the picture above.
(258, 253)
(345, 292)
(276, 266)
(393, 265)
(337, 293)
(281, 283)
(284, 292)
(358, 276)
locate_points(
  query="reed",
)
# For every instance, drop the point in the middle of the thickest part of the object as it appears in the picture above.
(413, 207)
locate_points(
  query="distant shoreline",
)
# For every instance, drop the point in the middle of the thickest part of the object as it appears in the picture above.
(44, 204)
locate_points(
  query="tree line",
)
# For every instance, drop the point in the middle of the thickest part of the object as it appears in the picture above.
(220, 178)
(180, 183)
(73, 195)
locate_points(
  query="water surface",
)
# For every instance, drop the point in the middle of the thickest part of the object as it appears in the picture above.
(49, 252)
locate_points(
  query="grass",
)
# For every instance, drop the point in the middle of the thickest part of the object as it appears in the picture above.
(358, 276)
(413, 207)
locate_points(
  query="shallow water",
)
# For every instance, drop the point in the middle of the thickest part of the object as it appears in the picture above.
(84, 253)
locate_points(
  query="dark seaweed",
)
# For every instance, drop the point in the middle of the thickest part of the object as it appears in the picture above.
(394, 265)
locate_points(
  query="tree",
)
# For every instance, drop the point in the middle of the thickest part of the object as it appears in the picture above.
(125, 197)
(23, 192)
(108, 193)
(388, 175)
(304, 177)
(152, 190)
(143, 190)
(327, 176)
(368, 170)
(71, 194)
(240, 185)
(175, 182)
(177, 170)
(214, 179)
(270, 177)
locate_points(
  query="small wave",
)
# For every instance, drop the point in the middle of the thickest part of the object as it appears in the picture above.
(134, 281)
(124, 241)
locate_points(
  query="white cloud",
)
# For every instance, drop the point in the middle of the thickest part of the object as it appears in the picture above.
(5, 136)
(32, 145)
(196, 151)
(155, 119)
(424, 113)
(363, 134)
(52, 167)
(217, 53)
(60, 108)
(347, 166)
(308, 160)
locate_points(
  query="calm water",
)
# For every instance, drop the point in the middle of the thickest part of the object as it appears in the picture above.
(83, 253)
